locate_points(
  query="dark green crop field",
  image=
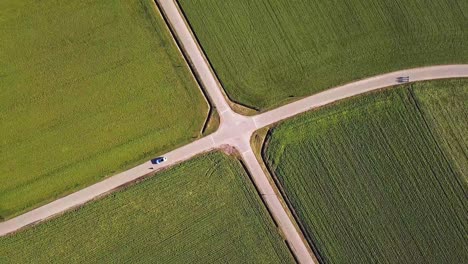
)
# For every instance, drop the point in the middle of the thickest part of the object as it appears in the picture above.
(380, 178)
(204, 211)
(269, 52)
(87, 89)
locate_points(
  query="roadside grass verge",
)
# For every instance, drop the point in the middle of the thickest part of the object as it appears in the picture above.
(88, 89)
(203, 211)
(369, 181)
(267, 53)
(212, 122)
(445, 108)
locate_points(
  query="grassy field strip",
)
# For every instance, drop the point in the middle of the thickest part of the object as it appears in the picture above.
(369, 179)
(202, 211)
(447, 118)
(268, 53)
(88, 89)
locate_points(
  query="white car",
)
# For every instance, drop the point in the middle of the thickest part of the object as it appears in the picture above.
(158, 160)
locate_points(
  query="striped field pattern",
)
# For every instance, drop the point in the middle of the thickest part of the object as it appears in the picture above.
(272, 51)
(205, 210)
(380, 178)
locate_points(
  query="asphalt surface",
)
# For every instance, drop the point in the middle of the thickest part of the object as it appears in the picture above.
(359, 87)
(235, 130)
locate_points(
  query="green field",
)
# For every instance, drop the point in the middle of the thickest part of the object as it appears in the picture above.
(373, 179)
(87, 89)
(204, 211)
(446, 111)
(269, 52)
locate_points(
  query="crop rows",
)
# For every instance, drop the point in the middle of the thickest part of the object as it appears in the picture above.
(203, 211)
(269, 52)
(369, 180)
(445, 108)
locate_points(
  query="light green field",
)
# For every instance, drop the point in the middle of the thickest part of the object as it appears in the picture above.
(446, 112)
(369, 180)
(203, 211)
(87, 89)
(272, 51)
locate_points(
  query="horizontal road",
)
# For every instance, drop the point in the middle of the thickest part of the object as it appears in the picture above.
(235, 130)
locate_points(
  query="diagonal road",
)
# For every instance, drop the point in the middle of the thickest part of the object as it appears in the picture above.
(359, 87)
(235, 130)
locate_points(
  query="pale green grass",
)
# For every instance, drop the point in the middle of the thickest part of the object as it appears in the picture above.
(445, 108)
(203, 211)
(87, 89)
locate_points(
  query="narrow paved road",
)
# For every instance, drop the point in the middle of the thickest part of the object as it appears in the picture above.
(191, 49)
(235, 130)
(359, 87)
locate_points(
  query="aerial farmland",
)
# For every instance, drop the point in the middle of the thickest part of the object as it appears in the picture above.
(89, 88)
(205, 210)
(267, 53)
(375, 175)
(212, 131)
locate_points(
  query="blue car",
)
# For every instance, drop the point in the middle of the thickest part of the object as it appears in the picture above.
(158, 160)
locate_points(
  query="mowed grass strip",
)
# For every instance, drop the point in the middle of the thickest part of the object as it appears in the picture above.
(370, 183)
(203, 211)
(269, 52)
(445, 107)
(87, 89)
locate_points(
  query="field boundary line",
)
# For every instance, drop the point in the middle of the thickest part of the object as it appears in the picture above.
(183, 49)
(208, 61)
(285, 198)
(431, 132)
(190, 65)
